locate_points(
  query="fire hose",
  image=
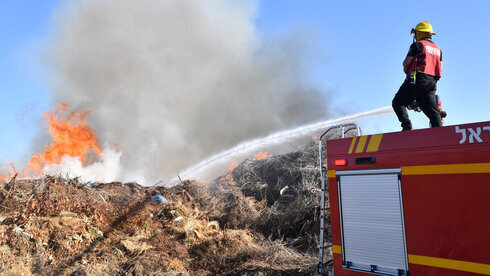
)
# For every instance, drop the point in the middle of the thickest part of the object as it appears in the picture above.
(416, 107)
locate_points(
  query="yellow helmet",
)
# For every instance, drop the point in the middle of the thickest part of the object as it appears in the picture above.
(425, 27)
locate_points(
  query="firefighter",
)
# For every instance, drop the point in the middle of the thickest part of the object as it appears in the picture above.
(422, 66)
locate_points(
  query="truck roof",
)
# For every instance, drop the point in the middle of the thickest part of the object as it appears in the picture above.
(456, 144)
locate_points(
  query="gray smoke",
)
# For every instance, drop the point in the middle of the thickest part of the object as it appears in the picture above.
(174, 81)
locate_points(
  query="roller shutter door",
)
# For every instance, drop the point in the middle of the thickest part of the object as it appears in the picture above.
(373, 233)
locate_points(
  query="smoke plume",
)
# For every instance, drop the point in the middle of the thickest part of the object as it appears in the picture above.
(174, 81)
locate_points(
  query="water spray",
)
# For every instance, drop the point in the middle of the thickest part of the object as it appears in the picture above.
(277, 138)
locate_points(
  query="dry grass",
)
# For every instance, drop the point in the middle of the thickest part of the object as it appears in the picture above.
(72, 229)
(263, 219)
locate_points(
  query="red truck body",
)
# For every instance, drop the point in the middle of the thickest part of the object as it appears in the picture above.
(442, 178)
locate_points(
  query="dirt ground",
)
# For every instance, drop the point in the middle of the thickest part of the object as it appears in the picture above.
(260, 220)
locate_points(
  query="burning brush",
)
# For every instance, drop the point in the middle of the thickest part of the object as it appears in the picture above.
(74, 150)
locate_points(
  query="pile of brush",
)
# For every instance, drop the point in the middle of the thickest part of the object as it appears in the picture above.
(278, 197)
(262, 219)
(58, 226)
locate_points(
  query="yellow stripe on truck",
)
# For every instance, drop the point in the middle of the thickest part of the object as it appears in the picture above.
(374, 142)
(352, 144)
(447, 169)
(361, 144)
(331, 174)
(373, 145)
(439, 262)
(336, 249)
(449, 264)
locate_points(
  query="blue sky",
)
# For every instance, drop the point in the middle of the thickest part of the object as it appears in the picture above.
(358, 46)
(23, 94)
(366, 41)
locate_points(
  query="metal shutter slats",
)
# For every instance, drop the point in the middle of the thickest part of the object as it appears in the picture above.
(372, 222)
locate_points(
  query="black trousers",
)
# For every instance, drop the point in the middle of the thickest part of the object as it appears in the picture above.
(424, 92)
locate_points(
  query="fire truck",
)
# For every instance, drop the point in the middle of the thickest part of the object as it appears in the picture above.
(407, 203)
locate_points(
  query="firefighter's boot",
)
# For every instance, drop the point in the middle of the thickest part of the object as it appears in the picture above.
(406, 125)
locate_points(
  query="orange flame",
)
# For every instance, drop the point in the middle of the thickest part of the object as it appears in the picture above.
(5, 175)
(71, 136)
(261, 155)
(233, 165)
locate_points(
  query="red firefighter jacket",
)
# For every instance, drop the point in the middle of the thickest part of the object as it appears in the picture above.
(428, 61)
